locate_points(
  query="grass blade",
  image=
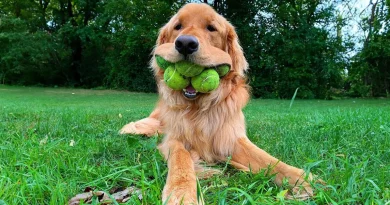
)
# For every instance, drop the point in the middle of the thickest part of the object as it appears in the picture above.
(293, 98)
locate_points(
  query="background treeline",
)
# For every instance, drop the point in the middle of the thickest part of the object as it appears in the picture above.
(326, 48)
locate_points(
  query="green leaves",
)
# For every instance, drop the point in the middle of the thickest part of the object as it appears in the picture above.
(96, 43)
(27, 58)
(287, 47)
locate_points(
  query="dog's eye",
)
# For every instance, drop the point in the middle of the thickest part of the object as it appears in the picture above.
(178, 27)
(211, 28)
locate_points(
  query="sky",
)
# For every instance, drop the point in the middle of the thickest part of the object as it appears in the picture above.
(353, 28)
(360, 6)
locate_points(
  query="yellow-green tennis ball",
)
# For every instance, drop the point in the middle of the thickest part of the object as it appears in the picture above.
(174, 79)
(222, 70)
(207, 81)
(162, 63)
(188, 69)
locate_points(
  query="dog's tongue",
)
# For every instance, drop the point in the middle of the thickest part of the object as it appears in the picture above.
(190, 89)
(190, 92)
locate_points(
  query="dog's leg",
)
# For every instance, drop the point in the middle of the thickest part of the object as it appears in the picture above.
(249, 157)
(148, 126)
(180, 187)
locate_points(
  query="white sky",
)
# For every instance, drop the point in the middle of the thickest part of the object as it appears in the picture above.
(353, 24)
(360, 6)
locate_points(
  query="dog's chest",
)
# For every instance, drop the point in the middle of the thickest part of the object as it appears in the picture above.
(210, 133)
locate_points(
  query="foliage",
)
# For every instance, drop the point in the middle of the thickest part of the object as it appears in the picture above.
(132, 42)
(289, 45)
(370, 71)
(29, 58)
(88, 43)
(107, 43)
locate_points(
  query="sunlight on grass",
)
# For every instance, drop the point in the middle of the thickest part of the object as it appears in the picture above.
(344, 142)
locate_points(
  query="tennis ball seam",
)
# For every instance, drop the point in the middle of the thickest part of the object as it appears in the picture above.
(204, 79)
(203, 82)
(174, 71)
(188, 68)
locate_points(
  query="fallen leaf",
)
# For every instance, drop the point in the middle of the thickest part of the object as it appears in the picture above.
(104, 198)
(125, 194)
(72, 142)
(80, 197)
(340, 155)
(44, 140)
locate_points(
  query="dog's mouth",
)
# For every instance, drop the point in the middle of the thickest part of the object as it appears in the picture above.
(190, 93)
(210, 58)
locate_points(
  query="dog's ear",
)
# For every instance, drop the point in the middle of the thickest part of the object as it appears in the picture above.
(162, 36)
(234, 49)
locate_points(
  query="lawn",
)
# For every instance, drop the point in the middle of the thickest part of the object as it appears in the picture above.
(55, 142)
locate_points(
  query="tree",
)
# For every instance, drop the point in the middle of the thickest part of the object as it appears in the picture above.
(288, 45)
(369, 74)
(28, 58)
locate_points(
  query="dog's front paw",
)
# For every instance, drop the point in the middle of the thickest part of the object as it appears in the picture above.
(129, 129)
(302, 191)
(179, 196)
(147, 126)
(301, 185)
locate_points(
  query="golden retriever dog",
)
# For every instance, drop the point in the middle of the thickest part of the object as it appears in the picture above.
(206, 127)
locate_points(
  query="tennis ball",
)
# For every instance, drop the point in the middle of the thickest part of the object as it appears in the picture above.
(207, 81)
(188, 69)
(222, 70)
(174, 79)
(162, 63)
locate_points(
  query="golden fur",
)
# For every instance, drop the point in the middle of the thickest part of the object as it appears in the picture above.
(212, 127)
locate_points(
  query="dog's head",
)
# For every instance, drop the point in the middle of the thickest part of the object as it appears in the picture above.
(200, 35)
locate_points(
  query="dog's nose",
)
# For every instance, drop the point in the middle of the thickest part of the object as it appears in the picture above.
(186, 44)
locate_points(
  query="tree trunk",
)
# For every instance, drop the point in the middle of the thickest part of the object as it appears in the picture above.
(87, 13)
(77, 50)
(370, 23)
(43, 7)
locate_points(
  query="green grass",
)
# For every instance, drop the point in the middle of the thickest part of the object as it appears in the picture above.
(344, 142)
